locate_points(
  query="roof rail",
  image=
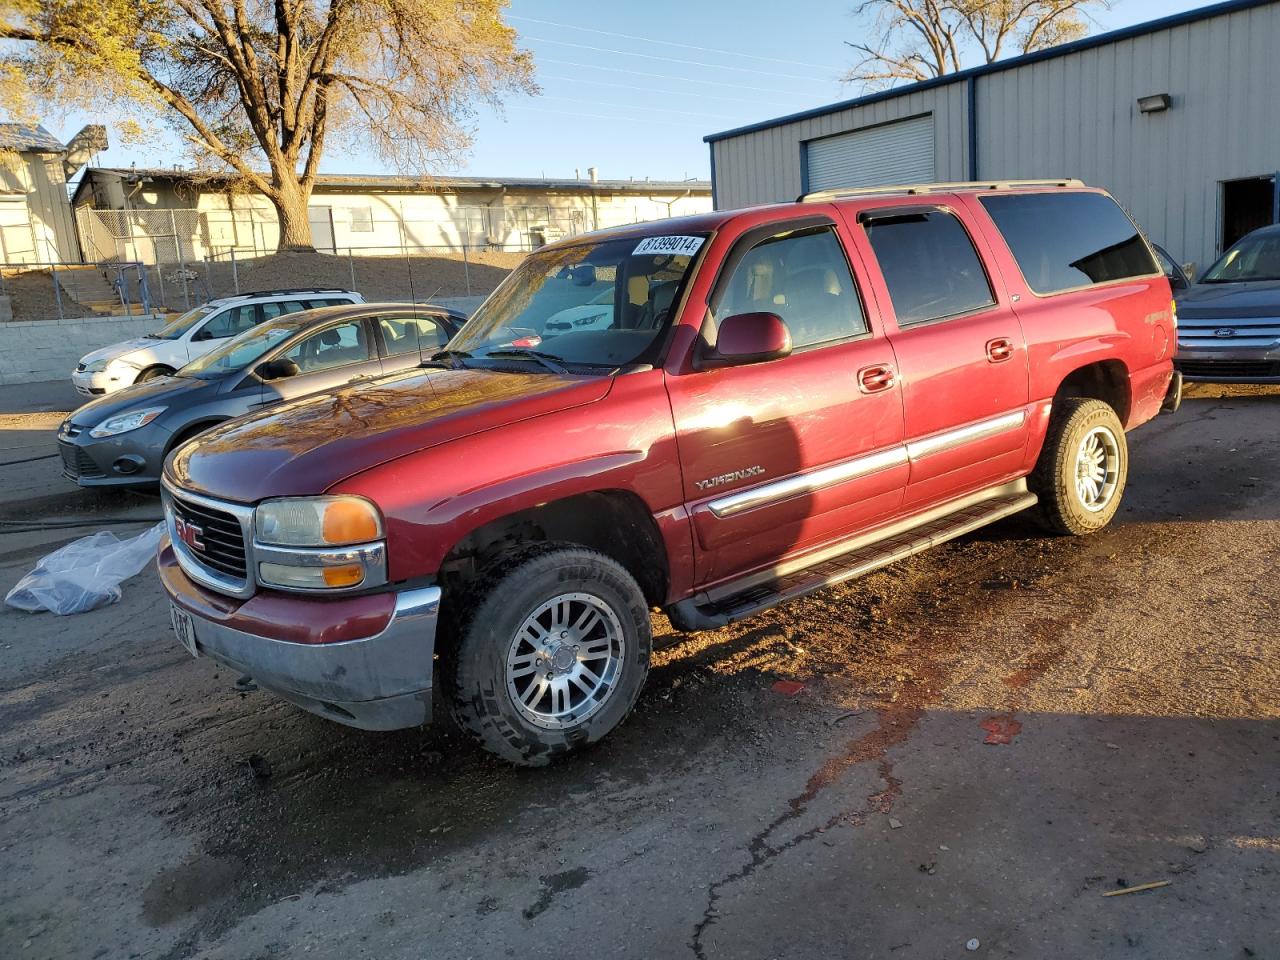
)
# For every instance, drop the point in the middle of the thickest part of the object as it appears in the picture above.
(277, 293)
(839, 193)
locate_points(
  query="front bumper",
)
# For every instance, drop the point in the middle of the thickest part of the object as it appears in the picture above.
(102, 382)
(128, 459)
(1229, 364)
(378, 679)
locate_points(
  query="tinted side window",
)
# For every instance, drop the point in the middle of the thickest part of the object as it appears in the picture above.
(803, 277)
(1067, 240)
(332, 347)
(929, 265)
(278, 308)
(410, 334)
(232, 321)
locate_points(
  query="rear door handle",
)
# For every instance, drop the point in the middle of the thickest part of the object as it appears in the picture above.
(999, 350)
(876, 378)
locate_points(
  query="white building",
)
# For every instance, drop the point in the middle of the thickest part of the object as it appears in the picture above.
(162, 215)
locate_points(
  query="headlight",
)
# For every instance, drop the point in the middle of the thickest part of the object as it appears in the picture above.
(98, 366)
(125, 422)
(317, 522)
(319, 543)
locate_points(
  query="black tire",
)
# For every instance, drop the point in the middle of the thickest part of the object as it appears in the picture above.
(152, 373)
(485, 621)
(188, 434)
(1063, 508)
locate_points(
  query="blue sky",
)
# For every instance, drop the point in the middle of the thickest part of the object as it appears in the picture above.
(614, 99)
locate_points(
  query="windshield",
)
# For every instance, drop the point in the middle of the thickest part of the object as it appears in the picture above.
(241, 351)
(1256, 257)
(176, 328)
(602, 304)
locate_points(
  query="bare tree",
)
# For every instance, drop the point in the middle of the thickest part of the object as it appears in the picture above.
(261, 87)
(923, 39)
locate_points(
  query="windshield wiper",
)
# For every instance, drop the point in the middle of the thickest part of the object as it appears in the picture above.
(453, 358)
(153, 336)
(548, 360)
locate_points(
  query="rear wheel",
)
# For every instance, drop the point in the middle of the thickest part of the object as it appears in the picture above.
(551, 650)
(1083, 467)
(153, 373)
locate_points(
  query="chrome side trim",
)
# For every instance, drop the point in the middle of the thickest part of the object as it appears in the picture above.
(949, 440)
(807, 482)
(715, 594)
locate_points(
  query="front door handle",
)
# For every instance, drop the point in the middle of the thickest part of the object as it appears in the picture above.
(877, 378)
(999, 350)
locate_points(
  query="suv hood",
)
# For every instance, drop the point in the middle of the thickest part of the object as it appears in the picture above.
(161, 392)
(306, 446)
(117, 350)
(1212, 301)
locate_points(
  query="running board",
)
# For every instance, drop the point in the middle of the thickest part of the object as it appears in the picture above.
(705, 613)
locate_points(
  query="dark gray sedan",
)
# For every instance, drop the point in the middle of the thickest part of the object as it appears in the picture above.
(122, 439)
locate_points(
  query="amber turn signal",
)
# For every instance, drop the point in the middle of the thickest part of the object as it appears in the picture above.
(348, 575)
(349, 521)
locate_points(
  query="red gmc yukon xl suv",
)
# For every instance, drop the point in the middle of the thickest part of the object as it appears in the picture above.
(707, 415)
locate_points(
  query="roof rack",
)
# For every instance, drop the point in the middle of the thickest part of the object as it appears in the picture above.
(838, 193)
(286, 290)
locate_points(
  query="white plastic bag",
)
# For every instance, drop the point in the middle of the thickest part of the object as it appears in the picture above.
(85, 574)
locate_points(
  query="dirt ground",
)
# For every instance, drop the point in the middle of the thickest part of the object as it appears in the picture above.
(981, 742)
(417, 277)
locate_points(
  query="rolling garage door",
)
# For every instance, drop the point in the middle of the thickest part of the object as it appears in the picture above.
(900, 152)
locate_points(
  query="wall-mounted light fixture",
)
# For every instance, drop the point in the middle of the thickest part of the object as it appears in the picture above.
(1156, 103)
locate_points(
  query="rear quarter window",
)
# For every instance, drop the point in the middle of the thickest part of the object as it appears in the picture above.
(1066, 241)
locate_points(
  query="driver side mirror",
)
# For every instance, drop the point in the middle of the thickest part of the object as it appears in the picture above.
(748, 338)
(278, 369)
(1177, 282)
(202, 334)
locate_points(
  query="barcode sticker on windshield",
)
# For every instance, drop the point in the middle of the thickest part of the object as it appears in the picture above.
(685, 246)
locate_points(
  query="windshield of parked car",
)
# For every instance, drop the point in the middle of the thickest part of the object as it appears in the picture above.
(604, 304)
(244, 350)
(176, 328)
(1255, 257)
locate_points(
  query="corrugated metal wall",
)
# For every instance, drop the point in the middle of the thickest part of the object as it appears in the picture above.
(764, 166)
(1077, 115)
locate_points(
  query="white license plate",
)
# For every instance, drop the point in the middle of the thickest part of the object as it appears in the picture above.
(185, 628)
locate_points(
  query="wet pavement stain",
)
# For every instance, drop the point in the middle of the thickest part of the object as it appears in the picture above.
(180, 890)
(553, 884)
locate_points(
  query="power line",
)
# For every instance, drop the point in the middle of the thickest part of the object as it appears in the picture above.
(667, 76)
(671, 93)
(688, 63)
(668, 43)
(636, 106)
(603, 116)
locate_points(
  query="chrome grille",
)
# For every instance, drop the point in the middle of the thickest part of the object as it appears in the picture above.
(1245, 332)
(221, 538)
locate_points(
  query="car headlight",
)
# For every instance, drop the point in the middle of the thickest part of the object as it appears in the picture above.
(319, 543)
(124, 422)
(98, 366)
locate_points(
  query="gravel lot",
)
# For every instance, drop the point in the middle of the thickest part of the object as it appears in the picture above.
(987, 739)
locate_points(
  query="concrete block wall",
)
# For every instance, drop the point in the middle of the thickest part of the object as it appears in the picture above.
(36, 350)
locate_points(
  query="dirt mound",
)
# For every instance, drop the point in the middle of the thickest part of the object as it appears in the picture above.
(415, 277)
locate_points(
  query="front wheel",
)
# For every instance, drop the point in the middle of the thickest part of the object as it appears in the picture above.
(552, 648)
(1082, 469)
(154, 373)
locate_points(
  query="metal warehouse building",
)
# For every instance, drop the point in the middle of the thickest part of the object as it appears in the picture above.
(1178, 117)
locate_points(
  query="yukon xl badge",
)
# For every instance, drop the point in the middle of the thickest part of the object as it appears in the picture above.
(712, 482)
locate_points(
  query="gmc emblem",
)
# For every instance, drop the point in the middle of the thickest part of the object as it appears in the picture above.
(188, 533)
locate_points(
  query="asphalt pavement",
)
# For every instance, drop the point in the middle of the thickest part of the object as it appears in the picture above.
(971, 748)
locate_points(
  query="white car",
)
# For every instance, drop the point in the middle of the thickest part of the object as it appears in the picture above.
(192, 335)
